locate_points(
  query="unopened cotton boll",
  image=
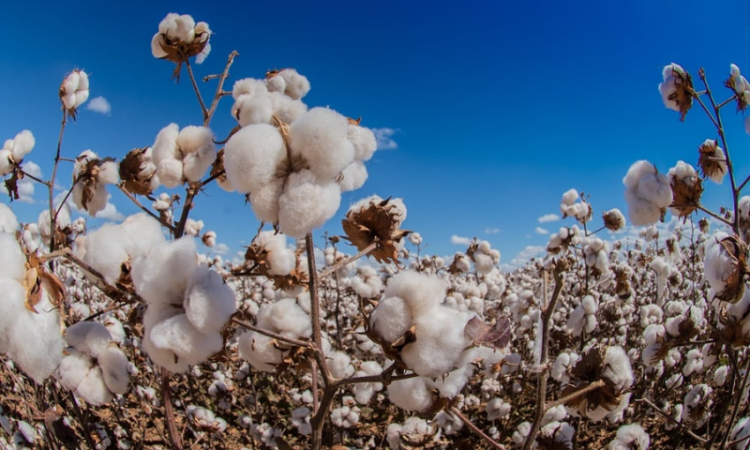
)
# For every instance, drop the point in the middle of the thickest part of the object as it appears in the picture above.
(306, 203)
(320, 137)
(252, 157)
(209, 301)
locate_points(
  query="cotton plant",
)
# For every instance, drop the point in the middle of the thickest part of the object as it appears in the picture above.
(569, 207)
(93, 367)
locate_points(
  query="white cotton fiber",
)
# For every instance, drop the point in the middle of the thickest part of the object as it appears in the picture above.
(320, 136)
(170, 173)
(23, 143)
(12, 305)
(363, 140)
(209, 301)
(281, 259)
(104, 251)
(165, 146)
(265, 201)
(421, 292)
(306, 203)
(253, 109)
(391, 319)
(93, 389)
(73, 368)
(296, 86)
(248, 86)
(411, 394)
(180, 336)
(35, 342)
(88, 337)
(114, 367)
(259, 350)
(12, 259)
(285, 108)
(440, 342)
(163, 274)
(253, 156)
(286, 318)
(646, 192)
(353, 176)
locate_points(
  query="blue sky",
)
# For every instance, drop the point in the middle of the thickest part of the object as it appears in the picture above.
(497, 107)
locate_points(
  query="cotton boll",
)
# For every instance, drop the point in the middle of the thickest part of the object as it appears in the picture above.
(297, 86)
(163, 274)
(630, 437)
(115, 328)
(320, 137)
(340, 364)
(254, 109)
(114, 366)
(252, 157)
(646, 192)
(12, 305)
(265, 201)
(440, 341)
(157, 46)
(209, 301)
(353, 177)
(196, 164)
(286, 318)
(451, 385)
(391, 319)
(74, 367)
(411, 394)
(421, 292)
(281, 259)
(93, 389)
(165, 146)
(276, 84)
(306, 203)
(364, 142)
(104, 252)
(180, 336)
(260, 351)
(285, 108)
(248, 86)
(170, 173)
(23, 143)
(89, 337)
(12, 259)
(6, 165)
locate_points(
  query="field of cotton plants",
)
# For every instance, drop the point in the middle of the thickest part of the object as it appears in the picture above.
(127, 337)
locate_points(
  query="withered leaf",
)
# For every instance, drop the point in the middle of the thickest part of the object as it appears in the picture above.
(130, 172)
(482, 334)
(375, 223)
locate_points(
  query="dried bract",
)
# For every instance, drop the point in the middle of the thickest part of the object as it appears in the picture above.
(376, 222)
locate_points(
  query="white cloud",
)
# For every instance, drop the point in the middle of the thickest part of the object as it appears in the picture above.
(221, 249)
(489, 230)
(110, 212)
(526, 254)
(549, 218)
(384, 136)
(25, 186)
(460, 240)
(100, 105)
(540, 230)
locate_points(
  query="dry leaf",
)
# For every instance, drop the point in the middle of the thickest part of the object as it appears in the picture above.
(481, 334)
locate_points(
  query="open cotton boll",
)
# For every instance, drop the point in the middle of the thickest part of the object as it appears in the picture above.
(296, 86)
(411, 394)
(178, 335)
(169, 172)
(89, 337)
(209, 301)
(23, 143)
(440, 341)
(265, 201)
(420, 291)
(320, 137)
(306, 203)
(391, 318)
(260, 351)
(253, 155)
(93, 389)
(73, 368)
(12, 305)
(629, 437)
(646, 192)
(367, 283)
(451, 385)
(163, 274)
(12, 259)
(353, 177)
(340, 364)
(104, 251)
(248, 86)
(281, 259)
(253, 109)
(363, 140)
(286, 318)
(35, 342)
(6, 165)
(196, 164)
(114, 367)
(286, 108)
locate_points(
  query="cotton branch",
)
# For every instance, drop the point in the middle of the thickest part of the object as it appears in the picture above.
(541, 392)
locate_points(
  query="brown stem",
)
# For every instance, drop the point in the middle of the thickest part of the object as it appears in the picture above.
(673, 420)
(143, 208)
(51, 186)
(456, 412)
(737, 400)
(197, 91)
(220, 87)
(716, 216)
(349, 260)
(271, 334)
(166, 395)
(82, 420)
(65, 199)
(541, 393)
(591, 387)
(26, 174)
(180, 228)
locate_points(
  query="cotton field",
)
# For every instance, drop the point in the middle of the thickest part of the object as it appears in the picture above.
(127, 336)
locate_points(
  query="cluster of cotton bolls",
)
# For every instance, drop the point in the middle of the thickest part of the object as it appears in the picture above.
(414, 429)
(279, 95)
(295, 175)
(484, 256)
(569, 208)
(91, 175)
(563, 239)
(14, 150)
(29, 333)
(74, 90)
(188, 304)
(180, 32)
(647, 193)
(583, 317)
(182, 155)
(596, 251)
(93, 367)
